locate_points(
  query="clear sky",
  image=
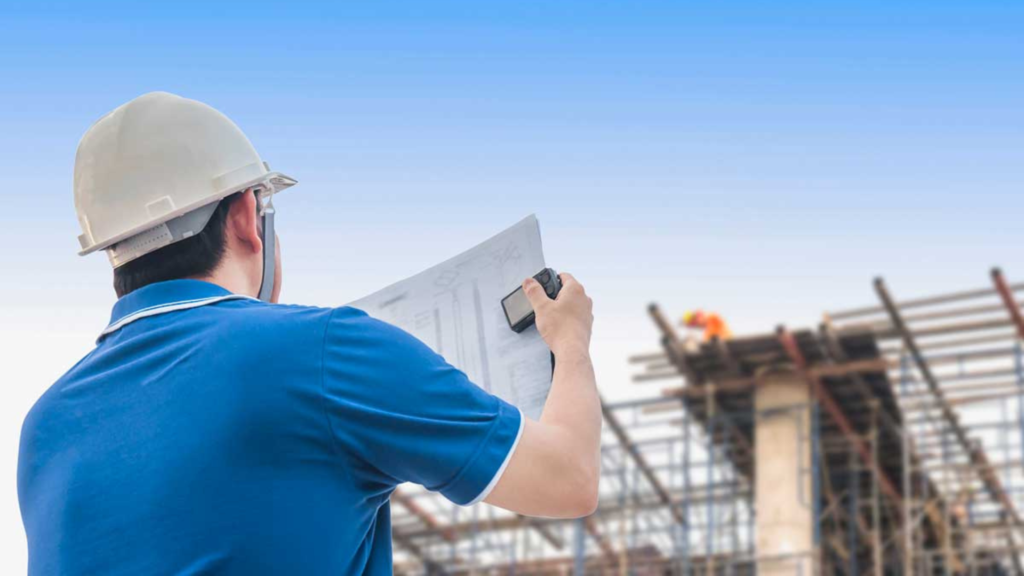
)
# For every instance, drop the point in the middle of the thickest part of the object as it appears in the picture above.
(761, 159)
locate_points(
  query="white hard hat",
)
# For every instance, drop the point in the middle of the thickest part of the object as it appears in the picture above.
(151, 173)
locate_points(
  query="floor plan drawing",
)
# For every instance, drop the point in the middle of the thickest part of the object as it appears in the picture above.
(455, 308)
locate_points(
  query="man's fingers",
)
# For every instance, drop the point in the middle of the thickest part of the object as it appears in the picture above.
(569, 282)
(535, 294)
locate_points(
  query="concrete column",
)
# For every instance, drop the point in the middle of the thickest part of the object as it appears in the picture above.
(784, 489)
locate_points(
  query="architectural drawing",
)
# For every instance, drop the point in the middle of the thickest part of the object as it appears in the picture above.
(455, 308)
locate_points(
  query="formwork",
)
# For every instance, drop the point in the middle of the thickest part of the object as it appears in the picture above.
(915, 429)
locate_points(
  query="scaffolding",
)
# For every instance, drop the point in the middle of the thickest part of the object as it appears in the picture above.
(955, 360)
(914, 427)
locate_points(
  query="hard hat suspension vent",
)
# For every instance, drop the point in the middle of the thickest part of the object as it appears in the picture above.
(161, 235)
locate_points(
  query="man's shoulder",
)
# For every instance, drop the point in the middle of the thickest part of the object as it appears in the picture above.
(352, 327)
(335, 318)
(334, 326)
(259, 315)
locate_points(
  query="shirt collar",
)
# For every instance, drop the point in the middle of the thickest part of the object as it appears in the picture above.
(163, 297)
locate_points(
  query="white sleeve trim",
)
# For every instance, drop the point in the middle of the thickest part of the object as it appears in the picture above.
(497, 475)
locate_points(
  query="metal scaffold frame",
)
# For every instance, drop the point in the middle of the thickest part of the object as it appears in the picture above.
(671, 502)
(915, 430)
(956, 362)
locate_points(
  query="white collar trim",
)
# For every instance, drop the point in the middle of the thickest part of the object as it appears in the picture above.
(169, 307)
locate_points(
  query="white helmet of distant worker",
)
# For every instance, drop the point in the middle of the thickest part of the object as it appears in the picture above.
(151, 173)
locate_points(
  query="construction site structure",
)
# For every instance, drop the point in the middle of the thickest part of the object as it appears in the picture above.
(887, 440)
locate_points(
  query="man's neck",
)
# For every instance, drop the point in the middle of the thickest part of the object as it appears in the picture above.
(231, 279)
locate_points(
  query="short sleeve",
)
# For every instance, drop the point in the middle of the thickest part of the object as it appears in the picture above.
(409, 416)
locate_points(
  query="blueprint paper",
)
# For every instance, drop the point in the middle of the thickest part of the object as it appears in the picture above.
(455, 308)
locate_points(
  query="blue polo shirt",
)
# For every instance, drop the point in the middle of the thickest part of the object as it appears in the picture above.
(211, 433)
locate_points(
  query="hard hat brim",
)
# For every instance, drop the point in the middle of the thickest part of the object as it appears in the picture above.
(277, 180)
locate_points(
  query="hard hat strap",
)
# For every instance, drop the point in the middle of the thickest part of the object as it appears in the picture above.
(269, 239)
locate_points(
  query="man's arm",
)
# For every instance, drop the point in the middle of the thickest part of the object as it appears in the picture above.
(556, 466)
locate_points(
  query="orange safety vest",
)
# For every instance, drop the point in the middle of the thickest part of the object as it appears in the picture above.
(714, 326)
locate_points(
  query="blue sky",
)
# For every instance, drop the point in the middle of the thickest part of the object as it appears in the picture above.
(762, 159)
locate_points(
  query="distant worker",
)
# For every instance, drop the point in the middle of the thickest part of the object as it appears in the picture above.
(712, 324)
(214, 431)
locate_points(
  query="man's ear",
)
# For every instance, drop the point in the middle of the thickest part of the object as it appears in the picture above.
(243, 225)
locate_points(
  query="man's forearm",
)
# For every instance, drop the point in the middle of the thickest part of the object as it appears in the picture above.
(574, 407)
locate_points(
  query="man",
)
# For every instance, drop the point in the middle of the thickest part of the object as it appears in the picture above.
(211, 432)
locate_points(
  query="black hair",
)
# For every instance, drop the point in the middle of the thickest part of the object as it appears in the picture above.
(198, 255)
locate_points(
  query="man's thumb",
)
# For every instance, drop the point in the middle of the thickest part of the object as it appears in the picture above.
(535, 294)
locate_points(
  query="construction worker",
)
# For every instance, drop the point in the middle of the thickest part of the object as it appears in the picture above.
(214, 431)
(712, 324)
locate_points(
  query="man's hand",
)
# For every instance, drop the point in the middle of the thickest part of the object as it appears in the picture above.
(556, 466)
(564, 323)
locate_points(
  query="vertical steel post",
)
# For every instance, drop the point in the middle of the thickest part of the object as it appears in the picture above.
(908, 494)
(876, 505)
(1006, 423)
(473, 537)
(947, 542)
(710, 536)
(925, 559)
(1019, 366)
(624, 502)
(514, 545)
(634, 522)
(579, 546)
(816, 480)
(686, 492)
(852, 511)
(676, 527)
(455, 541)
(734, 529)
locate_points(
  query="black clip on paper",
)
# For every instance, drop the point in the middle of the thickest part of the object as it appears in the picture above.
(518, 310)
